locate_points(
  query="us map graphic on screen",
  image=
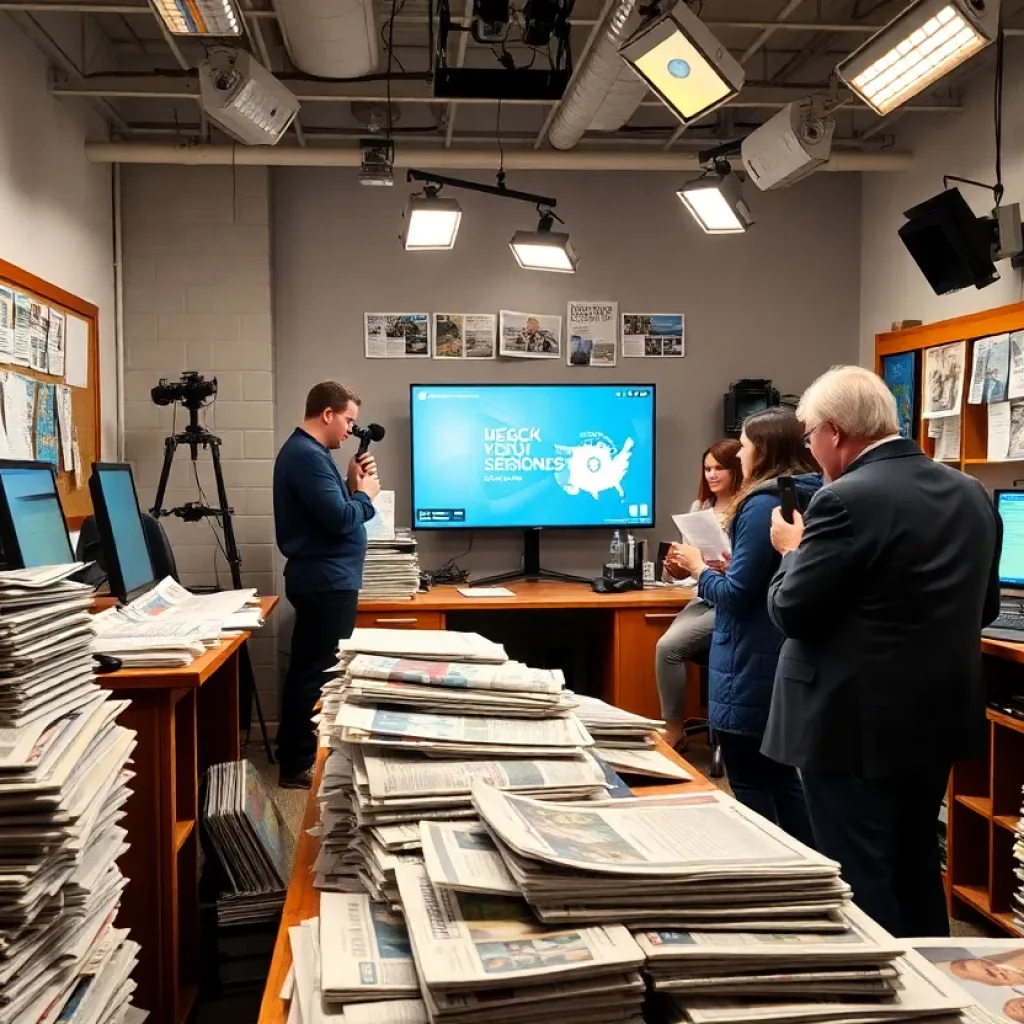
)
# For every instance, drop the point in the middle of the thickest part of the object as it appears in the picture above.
(519, 456)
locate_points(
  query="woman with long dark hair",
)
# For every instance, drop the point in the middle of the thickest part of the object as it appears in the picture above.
(690, 632)
(745, 644)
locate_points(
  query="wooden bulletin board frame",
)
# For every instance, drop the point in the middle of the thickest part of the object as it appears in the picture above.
(973, 418)
(85, 402)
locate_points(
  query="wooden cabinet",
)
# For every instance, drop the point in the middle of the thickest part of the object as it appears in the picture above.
(637, 632)
(400, 620)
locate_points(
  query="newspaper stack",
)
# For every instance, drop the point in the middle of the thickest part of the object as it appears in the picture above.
(392, 568)
(1017, 902)
(694, 861)
(612, 727)
(63, 776)
(249, 839)
(487, 955)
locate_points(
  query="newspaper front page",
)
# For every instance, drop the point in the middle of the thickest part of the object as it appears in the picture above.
(461, 855)
(512, 676)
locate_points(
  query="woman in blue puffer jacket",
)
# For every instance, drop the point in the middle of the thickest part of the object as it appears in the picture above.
(745, 644)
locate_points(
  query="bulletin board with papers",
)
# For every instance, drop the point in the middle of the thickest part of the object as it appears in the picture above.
(49, 382)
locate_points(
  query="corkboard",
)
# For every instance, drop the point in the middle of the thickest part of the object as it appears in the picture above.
(85, 402)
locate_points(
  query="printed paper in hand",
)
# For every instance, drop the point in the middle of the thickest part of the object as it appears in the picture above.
(998, 431)
(465, 335)
(530, 335)
(6, 324)
(22, 329)
(653, 334)
(55, 344)
(382, 525)
(76, 345)
(944, 368)
(397, 335)
(593, 330)
(703, 530)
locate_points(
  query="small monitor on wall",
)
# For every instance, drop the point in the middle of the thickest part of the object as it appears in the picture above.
(32, 525)
(532, 456)
(119, 524)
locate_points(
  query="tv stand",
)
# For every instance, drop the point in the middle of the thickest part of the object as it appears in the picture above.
(531, 569)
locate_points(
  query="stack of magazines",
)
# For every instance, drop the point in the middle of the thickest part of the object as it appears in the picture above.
(392, 568)
(63, 786)
(250, 842)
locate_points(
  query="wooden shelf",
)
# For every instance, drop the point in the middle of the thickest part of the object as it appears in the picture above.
(1007, 821)
(1006, 721)
(977, 897)
(979, 804)
(182, 830)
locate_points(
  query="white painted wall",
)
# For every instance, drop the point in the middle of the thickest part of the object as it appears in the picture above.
(892, 288)
(55, 207)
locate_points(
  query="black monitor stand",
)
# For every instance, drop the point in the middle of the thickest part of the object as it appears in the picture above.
(531, 570)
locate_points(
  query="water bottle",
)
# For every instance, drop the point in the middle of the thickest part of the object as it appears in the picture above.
(630, 550)
(615, 551)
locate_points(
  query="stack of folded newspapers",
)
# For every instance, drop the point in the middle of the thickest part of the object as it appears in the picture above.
(250, 840)
(63, 786)
(414, 718)
(612, 727)
(695, 861)
(1018, 856)
(392, 568)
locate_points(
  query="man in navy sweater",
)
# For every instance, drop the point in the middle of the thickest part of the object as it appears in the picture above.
(318, 517)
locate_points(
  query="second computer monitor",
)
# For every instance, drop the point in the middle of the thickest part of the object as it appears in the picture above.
(119, 523)
(33, 530)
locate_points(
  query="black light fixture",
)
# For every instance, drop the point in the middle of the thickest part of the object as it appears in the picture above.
(545, 249)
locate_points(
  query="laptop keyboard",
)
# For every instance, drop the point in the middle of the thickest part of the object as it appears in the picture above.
(1015, 622)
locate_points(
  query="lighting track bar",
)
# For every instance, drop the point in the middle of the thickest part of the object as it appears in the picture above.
(426, 178)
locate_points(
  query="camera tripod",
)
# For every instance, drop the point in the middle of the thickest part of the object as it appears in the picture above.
(196, 436)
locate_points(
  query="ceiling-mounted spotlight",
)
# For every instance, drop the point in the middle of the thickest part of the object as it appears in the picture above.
(430, 221)
(790, 145)
(919, 46)
(244, 99)
(691, 72)
(545, 249)
(716, 201)
(199, 17)
(377, 162)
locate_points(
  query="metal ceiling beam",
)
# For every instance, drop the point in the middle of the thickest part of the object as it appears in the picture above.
(460, 60)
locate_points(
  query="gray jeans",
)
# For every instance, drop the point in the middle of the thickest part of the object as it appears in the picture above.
(689, 634)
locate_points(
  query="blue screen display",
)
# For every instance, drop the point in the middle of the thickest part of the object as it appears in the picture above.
(1011, 560)
(37, 517)
(126, 526)
(520, 456)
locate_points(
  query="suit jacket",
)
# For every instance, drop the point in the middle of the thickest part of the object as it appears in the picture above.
(882, 605)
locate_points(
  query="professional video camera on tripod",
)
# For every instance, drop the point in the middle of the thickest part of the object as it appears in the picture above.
(194, 392)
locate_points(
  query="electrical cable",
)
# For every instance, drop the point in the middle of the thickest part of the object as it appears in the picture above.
(451, 572)
(998, 103)
(391, 54)
(386, 27)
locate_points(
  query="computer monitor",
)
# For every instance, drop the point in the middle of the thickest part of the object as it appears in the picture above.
(532, 456)
(33, 530)
(1010, 506)
(119, 524)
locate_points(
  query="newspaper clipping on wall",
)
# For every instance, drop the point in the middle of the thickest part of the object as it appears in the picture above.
(653, 334)
(465, 335)
(530, 335)
(944, 371)
(397, 335)
(592, 333)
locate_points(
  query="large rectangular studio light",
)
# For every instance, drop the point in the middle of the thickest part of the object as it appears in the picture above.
(918, 47)
(199, 17)
(544, 249)
(431, 223)
(716, 204)
(676, 54)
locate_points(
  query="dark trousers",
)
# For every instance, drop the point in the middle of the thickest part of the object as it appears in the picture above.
(321, 620)
(764, 785)
(884, 834)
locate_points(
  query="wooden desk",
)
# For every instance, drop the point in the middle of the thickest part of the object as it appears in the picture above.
(303, 900)
(629, 625)
(186, 719)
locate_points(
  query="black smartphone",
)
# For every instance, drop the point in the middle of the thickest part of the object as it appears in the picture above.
(787, 491)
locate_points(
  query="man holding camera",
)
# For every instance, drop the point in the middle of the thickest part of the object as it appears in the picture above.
(319, 518)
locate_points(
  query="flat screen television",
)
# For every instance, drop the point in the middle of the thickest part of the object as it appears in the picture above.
(532, 457)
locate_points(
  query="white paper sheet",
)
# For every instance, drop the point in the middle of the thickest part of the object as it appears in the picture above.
(382, 525)
(19, 407)
(998, 431)
(55, 343)
(486, 592)
(76, 363)
(947, 443)
(6, 324)
(64, 427)
(22, 327)
(38, 324)
(990, 369)
(703, 530)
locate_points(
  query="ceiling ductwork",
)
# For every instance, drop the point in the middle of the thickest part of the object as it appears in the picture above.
(331, 38)
(605, 91)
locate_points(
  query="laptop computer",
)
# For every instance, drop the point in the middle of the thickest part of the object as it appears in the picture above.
(1010, 624)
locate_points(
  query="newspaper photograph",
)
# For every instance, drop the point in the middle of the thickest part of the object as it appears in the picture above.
(653, 334)
(1015, 388)
(705, 834)
(396, 335)
(462, 855)
(530, 335)
(469, 941)
(512, 675)
(944, 371)
(592, 331)
(366, 953)
(465, 335)
(991, 971)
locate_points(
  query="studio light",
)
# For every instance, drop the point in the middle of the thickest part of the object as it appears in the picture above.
(199, 17)
(691, 72)
(545, 249)
(244, 99)
(790, 145)
(919, 46)
(716, 202)
(431, 222)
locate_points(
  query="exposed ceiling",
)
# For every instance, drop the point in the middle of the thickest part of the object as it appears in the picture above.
(142, 80)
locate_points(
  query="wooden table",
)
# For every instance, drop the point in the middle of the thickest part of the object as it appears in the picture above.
(625, 626)
(186, 719)
(303, 901)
